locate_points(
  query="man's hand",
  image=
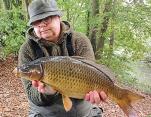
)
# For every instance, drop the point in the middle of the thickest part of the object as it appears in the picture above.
(96, 97)
(42, 88)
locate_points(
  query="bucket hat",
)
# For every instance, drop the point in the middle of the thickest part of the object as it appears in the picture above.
(40, 9)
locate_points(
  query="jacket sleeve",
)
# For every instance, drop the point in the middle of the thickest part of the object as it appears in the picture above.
(83, 46)
(40, 99)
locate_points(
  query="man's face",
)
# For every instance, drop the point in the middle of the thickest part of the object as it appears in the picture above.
(48, 28)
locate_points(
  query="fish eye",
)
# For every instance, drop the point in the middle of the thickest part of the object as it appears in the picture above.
(25, 68)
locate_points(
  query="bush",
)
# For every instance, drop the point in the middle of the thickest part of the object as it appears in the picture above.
(12, 31)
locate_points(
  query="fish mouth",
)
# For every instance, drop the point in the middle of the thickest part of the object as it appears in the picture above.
(17, 72)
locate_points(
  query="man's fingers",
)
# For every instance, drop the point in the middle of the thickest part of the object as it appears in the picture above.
(41, 87)
(91, 97)
(35, 83)
(97, 99)
(103, 96)
(87, 97)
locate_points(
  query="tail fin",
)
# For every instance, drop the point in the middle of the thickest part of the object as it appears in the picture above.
(125, 102)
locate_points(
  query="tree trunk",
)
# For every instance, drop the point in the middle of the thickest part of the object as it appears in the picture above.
(88, 22)
(68, 15)
(112, 37)
(7, 4)
(93, 28)
(25, 6)
(16, 3)
(103, 29)
(1, 4)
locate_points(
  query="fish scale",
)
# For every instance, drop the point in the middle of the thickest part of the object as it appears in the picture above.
(68, 77)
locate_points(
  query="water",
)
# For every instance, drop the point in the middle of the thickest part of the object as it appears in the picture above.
(143, 73)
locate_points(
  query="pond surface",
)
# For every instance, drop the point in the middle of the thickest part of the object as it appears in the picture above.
(143, 73)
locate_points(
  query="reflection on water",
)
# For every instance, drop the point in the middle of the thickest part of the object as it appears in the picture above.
(143, 71)
(138, 76)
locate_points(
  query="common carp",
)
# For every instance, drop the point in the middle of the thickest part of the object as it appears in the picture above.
(74, 77)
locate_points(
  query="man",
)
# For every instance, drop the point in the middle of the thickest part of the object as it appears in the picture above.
(49, 35)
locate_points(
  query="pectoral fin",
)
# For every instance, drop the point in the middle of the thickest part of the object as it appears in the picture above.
(67, 102)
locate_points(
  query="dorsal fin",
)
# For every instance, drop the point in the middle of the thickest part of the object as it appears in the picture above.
(102, 68)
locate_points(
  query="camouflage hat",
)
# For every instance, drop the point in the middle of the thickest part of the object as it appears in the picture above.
(39, 9)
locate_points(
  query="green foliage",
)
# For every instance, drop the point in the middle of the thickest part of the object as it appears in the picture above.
(119, 65)
(75, 13)
(131, 26)
(12, 29)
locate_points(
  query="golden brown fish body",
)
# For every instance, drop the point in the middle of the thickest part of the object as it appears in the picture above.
(76, 76)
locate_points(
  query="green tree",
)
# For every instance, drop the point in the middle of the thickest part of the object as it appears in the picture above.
(7, 4)
(93, 15)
